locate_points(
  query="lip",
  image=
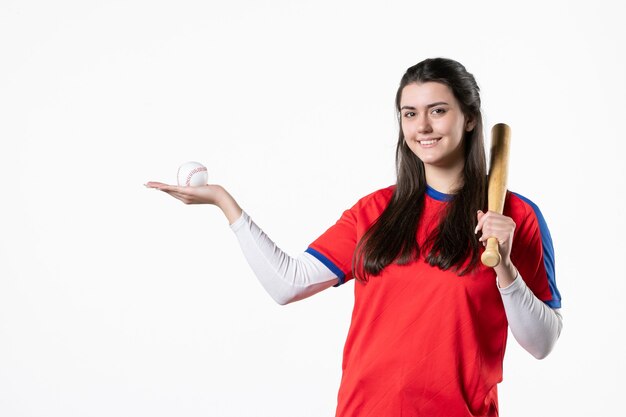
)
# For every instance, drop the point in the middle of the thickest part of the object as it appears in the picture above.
(423, 144)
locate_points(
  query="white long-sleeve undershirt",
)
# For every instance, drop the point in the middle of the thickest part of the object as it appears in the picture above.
(535, 325)
(286, 279)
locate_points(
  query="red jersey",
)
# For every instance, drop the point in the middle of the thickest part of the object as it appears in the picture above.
(422, 341)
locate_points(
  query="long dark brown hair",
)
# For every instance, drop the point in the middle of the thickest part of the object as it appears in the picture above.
(452, 244)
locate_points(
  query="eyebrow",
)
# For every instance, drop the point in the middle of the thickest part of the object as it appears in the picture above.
(428, 106)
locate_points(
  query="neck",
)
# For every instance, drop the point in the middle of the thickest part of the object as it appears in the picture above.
(444, 179)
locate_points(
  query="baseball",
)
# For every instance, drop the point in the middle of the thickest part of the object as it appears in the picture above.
(192, 174)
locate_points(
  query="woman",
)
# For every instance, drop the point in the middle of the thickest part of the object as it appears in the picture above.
(429, 324)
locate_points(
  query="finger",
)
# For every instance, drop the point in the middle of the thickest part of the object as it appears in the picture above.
(173, 188)
(502, 227)
(493, 218)
(499, 230)
(153, 184)
(494, 227)
(501, 238)
(481, 216)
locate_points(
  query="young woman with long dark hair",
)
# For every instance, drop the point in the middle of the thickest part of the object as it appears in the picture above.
(429, 324)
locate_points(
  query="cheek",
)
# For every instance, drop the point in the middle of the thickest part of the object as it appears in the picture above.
(457, 129)
(407, 129)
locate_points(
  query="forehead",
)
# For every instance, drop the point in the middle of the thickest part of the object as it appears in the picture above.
(423, 94)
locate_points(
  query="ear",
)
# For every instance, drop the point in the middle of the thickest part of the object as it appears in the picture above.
(470, 124)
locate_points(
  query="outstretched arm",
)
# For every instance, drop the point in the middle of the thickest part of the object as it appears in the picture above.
(285, 278)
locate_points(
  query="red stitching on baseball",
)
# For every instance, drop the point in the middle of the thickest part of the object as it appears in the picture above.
(192, 173)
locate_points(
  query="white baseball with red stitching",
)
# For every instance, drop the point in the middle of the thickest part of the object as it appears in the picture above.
(192, 174)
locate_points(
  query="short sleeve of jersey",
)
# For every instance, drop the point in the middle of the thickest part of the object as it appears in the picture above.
(335, 247)
(532, 252)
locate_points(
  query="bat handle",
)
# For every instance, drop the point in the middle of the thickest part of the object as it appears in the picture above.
(491, 255)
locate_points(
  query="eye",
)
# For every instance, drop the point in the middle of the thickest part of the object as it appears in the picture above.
(438, 110)
(409, 114)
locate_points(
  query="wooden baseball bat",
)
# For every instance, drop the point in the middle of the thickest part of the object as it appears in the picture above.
(498, 175)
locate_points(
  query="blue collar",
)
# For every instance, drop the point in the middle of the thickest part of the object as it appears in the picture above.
(438, 195)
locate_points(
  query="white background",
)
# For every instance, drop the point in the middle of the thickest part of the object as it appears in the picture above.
(119, 300)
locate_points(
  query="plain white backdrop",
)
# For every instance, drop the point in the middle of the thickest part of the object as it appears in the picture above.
(116, 300)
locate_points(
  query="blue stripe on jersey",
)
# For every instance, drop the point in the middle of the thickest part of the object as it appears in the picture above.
(548, 253)
(329, 264)
(437, 195)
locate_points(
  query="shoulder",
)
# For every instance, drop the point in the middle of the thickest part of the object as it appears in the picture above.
(370, 207)
(520, 207)
(526, 214)
(533, 251)
(376, 200)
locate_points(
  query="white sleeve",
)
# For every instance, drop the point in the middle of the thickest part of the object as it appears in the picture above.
(535, 325)
(285, 278)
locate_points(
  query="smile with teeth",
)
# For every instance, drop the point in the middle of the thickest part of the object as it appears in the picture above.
(426, 142)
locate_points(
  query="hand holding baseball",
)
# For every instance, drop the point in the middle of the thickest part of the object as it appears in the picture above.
(193, 189)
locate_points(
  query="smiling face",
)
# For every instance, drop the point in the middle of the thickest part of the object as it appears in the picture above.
(433, 124)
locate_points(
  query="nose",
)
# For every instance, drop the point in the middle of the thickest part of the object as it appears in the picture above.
(423, 124)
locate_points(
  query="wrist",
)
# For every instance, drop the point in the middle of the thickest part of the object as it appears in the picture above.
(227, 204)
(506, 273)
